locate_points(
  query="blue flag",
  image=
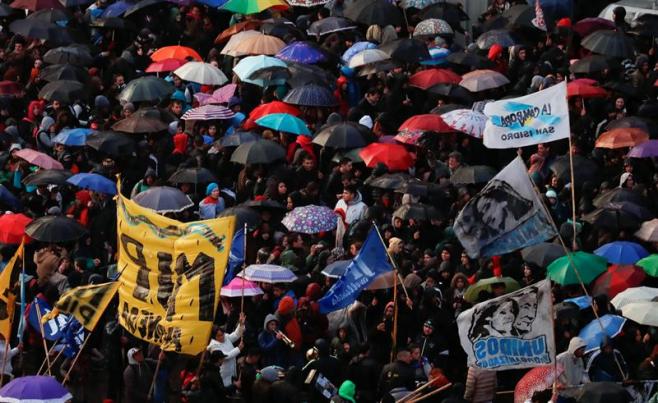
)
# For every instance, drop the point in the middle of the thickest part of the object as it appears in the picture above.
(236, 255)
(370, 262)
(73, 335)
(52, 328)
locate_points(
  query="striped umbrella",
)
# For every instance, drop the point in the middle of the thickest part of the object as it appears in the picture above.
(246, 7)
(302, 52)
(267, 273)
(209, 112)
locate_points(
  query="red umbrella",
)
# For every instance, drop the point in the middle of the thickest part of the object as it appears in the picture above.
(34, 5)
(10, 88)
(175, 52)
(426, 123)
(535, 380)
(617, 279)
(12, 228)
(394, 156)
(428, 78)
(587, 81)
(165, 65)
(581, 89)
(268, 109)
(586, 26)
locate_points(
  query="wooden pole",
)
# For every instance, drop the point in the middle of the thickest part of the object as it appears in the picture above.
(75, 360)
(244, 265)
(43, 339)
(390, 258)
(54, 359)
(574, 244)
(432, 393)
(44, 360)
(418, 390)
(395, 316)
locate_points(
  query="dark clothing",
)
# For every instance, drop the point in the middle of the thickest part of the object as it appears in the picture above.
(397, 374)
(137, 382)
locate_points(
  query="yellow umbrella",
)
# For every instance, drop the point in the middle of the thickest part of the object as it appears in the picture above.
(260, 44)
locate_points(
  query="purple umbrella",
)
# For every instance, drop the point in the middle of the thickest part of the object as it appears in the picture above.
(310, 219)
(34, 389)
(117, 9)
(647, 149)
(301, 52)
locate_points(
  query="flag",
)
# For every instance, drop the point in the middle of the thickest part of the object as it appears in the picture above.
(371, 261)
(539, 22)
(236, 255)
(540, 117)
(86, 303)
(8, 279)
(512, 331)
(53, 327)
(505, 216)
(73, 335)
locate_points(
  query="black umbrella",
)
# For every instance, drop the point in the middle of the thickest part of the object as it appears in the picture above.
(282, 28)
(311, 95)
(519, 16)
(237, 138)
(39, 29)
(374, 12)
(613, 217)
(58, 72)
(648, 109)
(48, 177)
(609, 43)
(329, 25)
(137, 125)
(590, 64)
(406, 50)
(164, 199)
(585, 170)
(112, 143)
(417, 187)
(542, 254)
(258, 152)
(342, 135)
(146, 89)
(637, 210)
(645, 25)
(303, 74)
(622, 88)
(142, 5)
(66, 91)
(566, 310)
(499, 22)
(635, 122)
(55, 229)
(416, 211)
(270, 205)
(50, 15)
(469, 60)
(453, 14)
(455, 92)
(472, 174)
(388, 181)
(153, 112)
(72, 54)
(501, 37)
(113, 24)
(243, 215)
(618, 195)
(192, 175)
(603, 392)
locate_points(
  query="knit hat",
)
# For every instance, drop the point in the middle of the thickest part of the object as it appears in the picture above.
(101, 101)
(286, 305)
(347, 391)
(551, 194)
(366, 121)
(210, 188)
(313, 291)
(495, 51)
(271, 373)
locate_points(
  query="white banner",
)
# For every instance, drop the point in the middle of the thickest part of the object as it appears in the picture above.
(511, 331)
(536, 118)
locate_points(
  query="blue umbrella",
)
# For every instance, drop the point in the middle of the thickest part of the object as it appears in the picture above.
(302, 52)
(252, 64)
(336, 269)
(117, 9)
(95, 182)
(9, 199)
(356, 48)
(593, 335)
(284, 122)
(583, 302)
(311, 95)
(35, 389)
(622, 252)
(73, 137)
(268, 273)
(438, 57)
(213, 3)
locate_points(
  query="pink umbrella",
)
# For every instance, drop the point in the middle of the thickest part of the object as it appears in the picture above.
(205, 99)
(235, 288)
(39, 159)
(224, 94)
(535, 380)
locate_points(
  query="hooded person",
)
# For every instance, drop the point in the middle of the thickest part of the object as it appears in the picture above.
(346, 393)
(607, 364)
(574, 369)
(213, 204)
(269, 342)
(145, 183)
(351, 205)
(137, 378)
(286, 314)
(45, 135)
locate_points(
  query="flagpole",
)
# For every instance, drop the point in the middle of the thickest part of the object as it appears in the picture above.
(395, 316)
(75, 360)
(4, 362)
(21, 321)
(390, 258)
(244, 264)
(43, 339)
(574, 244)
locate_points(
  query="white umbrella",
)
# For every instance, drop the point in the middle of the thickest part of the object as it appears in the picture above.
(368, 56)
(644, 313)
(268, 273)
(201, 73)
(648, 231)
(635, 294)
(481, 80)
(466, 121)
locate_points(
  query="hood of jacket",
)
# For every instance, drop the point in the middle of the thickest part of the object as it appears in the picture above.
(270, 317)
(575, 343)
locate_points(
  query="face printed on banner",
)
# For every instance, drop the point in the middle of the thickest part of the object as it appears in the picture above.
(503, 318)
(527, 313)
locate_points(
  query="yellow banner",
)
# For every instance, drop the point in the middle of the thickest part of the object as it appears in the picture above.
(8, 279)
(172, 273)
(86, 303)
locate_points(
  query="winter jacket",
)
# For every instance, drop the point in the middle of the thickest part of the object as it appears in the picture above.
(228, 368)
(480, 385)
(574, 368)
(354, 210)
(210, 207)
(272, 349)
(137, 379)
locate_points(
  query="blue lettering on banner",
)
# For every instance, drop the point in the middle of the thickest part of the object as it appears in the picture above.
(496, 352)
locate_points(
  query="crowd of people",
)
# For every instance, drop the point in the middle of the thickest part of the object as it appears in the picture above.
(268, 349)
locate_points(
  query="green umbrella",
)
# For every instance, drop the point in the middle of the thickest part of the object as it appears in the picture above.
(473, 291)
(589, 267)
(649, 264)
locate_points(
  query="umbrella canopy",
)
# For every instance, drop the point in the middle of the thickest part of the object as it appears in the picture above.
(635, 294)
(194, 175)
(48, 177)
(39, 29)
(34, 5)
(466, 121)
(470, 60)
(336, 269)
(472, 174)
(388, 181)
(237, 138)
(357, 48)
(302, 52)
(609, 43)
(65, 91)
(253, 6)
(310, 219)
(473, 292)
(589, 267)
(617, 279)
(584, 169)
(39, 159)
(201, 73)
(589, 64)
(253, 64)
(311, 95)
(112, 143)
(406, 50)
(647, 149)
(330, 25)
(603, 392)
(367, 56)
(481, 80)
(648, 231)
(55, 229)
(425, 123)
(431, 77)
(456, 93)
(268, 109)
(243, 215)
(284, 122)
(73, 137)
(141, 5)
(146, 89)
(536, 380)
(620, 138)
(432, 27)
(209, 112)
(394, 156)
(371, 12)
(140, 125)
(247, 25)
(253, 44)
(585, 90)
(164, 199)
(258, 152)
(182, 53)
(95, 182)
(649, 264)
(586, 26)
(268, 273)
(416, 211)
(615, 216)
(542, 254)
(343, 135)
(10, 88)
(236, 39)
(44, 389)
(619, 195)
(622, 252)
(594, 335)
(500, 37)
(642, 312)
(239, 287)
(12, 228)
(57, 72)
(73, 54)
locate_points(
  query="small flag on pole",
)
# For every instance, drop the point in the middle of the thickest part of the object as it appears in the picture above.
(539, 21)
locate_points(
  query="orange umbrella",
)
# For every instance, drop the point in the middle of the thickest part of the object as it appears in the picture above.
(394, 156)
(622, 137)
(175, 52)
(226, 34)
(429, 78)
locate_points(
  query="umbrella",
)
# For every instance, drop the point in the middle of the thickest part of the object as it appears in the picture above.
(253, 6)
(302, 52)
(432, 27)
(633, 122)
(178, 52)
(472, 174)
(311, 95)
(473, 291)
(164, 199)
(589, 64)
(94, 182)
(73, 137)
(208, 112)
(501, 37)
(374, 68)
(284, 122)
(542, 254)
(617, 279)
(373, 12)
(141, 5)
(603, 392)
(310, 219)
(425, 123)
(65, 91)
(236, 39)
(618, 195)
(258, 152)
(140, 125)
(648, 231)
(330, 25)
(589, 267)
(267, 273)
(394, 156)
(455, 92)
(536, 380)
(585, 90)
(416, 211)
(192, 175)
(471, 60)
(437, 57)
(357, 48)
(73, 54)
(243, 215)
(647, 149)
(38, 29)
(642, 312)
(268, 109)
(239, 287)
(586, 26)
(593, 335)
(201, 73)
(111, 143)
(615, 216)
(622, 252)
(226, 34)
(453, 14)
(336, 269)
(466, 121)
(367, 56)
(116, 9)
(342, 135)
(6, 11)
(609, 43)
(303, 74)
(39, 159)
(34, 5)
(113, 24)
(253, 44)
(481, 80)
(55, 229)
(582, 302)
(388, 181)
(225, 93)
(585, 170)
(265, 205)
(57, 72)
(12, 228)
(44, 389)
(9, 199)
(253, 64)
(146, 89)
(431, 77)
(649, 264)
(635, 294)
(48, 177)
(238, 138)
(406, 50)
